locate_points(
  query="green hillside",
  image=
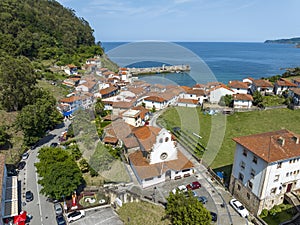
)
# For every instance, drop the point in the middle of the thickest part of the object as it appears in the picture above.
(44, 29)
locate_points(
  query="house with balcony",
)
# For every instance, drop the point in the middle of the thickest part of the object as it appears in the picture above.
(265, 167)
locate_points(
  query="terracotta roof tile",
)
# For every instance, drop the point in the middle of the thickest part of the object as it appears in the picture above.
(237, 84)
(188, 101)
(146, 136)
(244, 97)
(262, 83)
(110, 140)
(285, 83)
(272, 146)
(130, 142)
(70, 99)
(296, 91)
(155, 99)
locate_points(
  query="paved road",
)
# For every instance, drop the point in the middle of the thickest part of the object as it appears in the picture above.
(41, 210)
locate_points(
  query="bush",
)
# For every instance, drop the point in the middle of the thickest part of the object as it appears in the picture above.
(264, 213)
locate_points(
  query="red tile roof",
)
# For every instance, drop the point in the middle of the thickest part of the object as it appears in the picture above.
(70, 99)
(285, 83)
(296, 91)
(262, 83)
(145, 170)
(237, 84)
(155, 99)
(108, 90)
(130, 142)
(244, 97)
(188, 101)
(272, 146)
(146, 136)
(110, 140)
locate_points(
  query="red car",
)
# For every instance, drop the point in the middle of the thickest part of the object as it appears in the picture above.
(194, 185)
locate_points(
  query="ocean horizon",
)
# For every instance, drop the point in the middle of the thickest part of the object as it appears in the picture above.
(226, 60)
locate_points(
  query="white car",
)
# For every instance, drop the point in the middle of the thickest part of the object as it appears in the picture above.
(239, 208)
(25, 156)
(181, 188)
(75, 215)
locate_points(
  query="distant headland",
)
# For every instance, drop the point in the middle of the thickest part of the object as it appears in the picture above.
(295, 41)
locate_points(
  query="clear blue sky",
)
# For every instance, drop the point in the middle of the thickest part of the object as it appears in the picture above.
(189, 20)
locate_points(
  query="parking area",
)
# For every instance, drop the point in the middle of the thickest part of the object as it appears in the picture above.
(217, 198)
(99, 216)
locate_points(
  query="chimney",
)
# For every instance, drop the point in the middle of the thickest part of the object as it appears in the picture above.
(281, 141)
(295, 139)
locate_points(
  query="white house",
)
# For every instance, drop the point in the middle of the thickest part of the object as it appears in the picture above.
(132, 117)
(158, 159)
(195, 94)
(242, 101)
(71, 69)
(266, 166)
(156, 102)
(238, 87)
(217, 92)
(265, 87)
(191, 103)
(282, 85)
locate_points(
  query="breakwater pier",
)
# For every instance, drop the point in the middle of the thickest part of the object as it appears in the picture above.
(160, 69)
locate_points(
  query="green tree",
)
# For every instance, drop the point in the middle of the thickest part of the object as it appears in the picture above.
(99, 108)
(75, 151)
(84, 166)
(226, 100)
(257, 98)
(17, 81)
(58, 172)
(34, 120)
(183, 210)
(4, 136)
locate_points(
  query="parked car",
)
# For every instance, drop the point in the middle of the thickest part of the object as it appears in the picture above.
(239, 208)
(25, 156)
(193, 193)
(202, 199)
(60, 219)
(12, 172)
(194, 185)
(180, 188)
(21, 165)
(214, 216)
(29, 196)
(75, 215)
(54, 144)
(58, 208)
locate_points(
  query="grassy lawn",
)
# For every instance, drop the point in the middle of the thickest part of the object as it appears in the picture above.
(58, 91)
(273, 100)
(279, 214)
(137, 213)
(238, 124)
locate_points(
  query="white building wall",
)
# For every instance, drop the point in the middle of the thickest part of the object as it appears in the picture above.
(186, 105)
(158, 105)
(164, 144)
(216, 95)
(133, 121)
(242, 104)
(258, 168)
(280, 178)
(240, 90)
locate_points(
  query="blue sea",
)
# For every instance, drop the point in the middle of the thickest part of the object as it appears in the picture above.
(220, 61)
